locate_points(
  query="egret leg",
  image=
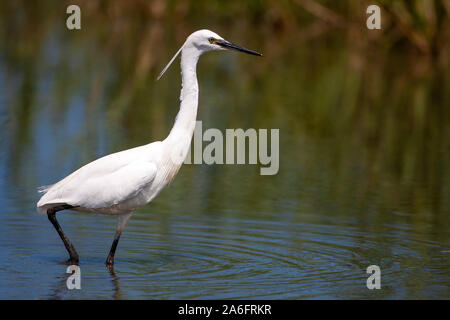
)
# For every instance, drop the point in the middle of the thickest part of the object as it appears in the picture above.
(121, 222)
(51, 213)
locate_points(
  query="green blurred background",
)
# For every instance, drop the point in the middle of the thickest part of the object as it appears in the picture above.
(363, 114)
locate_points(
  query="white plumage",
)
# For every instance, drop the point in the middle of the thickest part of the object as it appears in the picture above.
(113, 184)
(121, 182)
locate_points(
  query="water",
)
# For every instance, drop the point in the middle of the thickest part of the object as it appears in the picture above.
(194, 242)
(181, 256)
(364, 173)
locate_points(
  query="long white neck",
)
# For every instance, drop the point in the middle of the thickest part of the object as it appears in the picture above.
(185, 121)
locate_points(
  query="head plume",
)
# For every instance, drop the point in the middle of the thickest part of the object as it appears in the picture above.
(170, 62)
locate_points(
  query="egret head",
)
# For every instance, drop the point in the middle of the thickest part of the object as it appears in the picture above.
(206, 40)
(203, 41)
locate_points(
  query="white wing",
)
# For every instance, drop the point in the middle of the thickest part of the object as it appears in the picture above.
(114, 188)
(105, 182)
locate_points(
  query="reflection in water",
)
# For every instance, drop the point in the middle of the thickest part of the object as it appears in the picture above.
(60, 287)
(115, 282)
(201, 257)
(364, 159)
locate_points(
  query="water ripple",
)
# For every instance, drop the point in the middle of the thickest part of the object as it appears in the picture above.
(182, 256)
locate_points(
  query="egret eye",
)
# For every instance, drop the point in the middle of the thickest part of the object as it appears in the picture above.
(211, 40)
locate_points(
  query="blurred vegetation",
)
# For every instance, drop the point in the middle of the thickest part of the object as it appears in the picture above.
(379, 96)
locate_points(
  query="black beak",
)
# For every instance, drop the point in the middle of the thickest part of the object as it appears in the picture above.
(232, 46)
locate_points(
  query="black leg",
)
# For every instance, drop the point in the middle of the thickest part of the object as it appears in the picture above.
(121, 222)
(51, 213)
(110, 259)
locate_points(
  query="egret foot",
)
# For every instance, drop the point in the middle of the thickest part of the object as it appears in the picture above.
(110, 263)
(110, 260)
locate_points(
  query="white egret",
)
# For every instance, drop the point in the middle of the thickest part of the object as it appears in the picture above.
(121, 182)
